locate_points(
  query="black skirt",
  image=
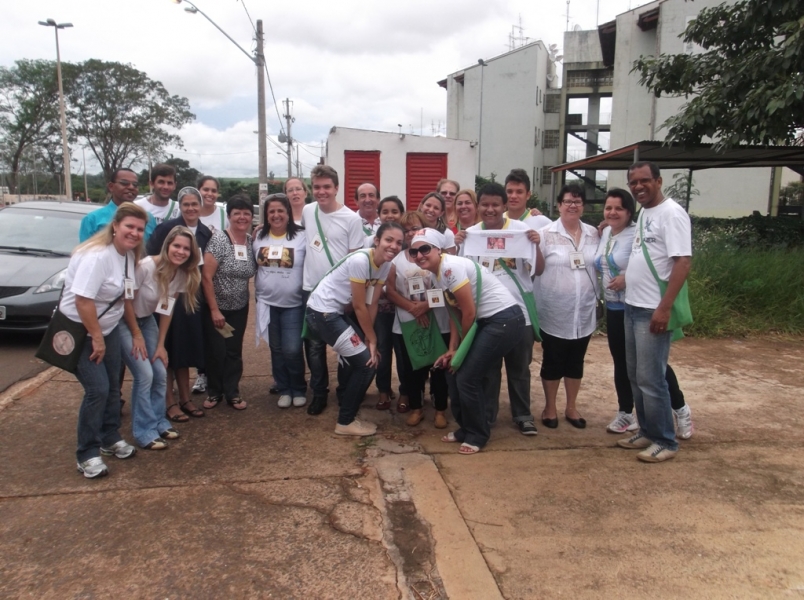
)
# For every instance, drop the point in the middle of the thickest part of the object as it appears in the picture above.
(185, 338)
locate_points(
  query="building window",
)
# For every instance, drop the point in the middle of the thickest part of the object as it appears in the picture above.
(552, 103)
(551, 138)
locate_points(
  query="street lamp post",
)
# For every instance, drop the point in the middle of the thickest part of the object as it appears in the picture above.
(65, 149)
(259, 61)
(482, 64)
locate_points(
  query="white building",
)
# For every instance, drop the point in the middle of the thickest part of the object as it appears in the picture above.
(400, 164)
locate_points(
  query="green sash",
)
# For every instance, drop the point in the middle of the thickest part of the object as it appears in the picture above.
(466, 342)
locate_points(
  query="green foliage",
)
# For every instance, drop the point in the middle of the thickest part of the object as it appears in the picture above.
(754, 232)
(792, 194)
(682, 185)
(186, 176)
(481, 181)
(747, 86)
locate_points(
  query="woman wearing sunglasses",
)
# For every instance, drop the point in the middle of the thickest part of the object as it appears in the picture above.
(500, 323)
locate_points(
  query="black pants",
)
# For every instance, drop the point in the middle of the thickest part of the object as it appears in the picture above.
(615, 327)
(224, 356)
(412, 382)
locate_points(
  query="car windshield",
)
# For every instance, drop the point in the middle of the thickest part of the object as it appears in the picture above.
(43, 229)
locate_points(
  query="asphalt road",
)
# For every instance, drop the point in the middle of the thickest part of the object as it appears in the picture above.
(17, 360)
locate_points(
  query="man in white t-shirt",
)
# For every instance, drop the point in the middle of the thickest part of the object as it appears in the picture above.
(367, 197)
(332, 232)
(159, 204)
(663, 230)
(517, 191)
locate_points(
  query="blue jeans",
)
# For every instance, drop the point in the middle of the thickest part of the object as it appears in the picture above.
(646, 354)
(517, 370)
(315, 351)
(287, 357)
(385, 345)
(99, 415)
(496, 336)
(354, 376)
(150, 383)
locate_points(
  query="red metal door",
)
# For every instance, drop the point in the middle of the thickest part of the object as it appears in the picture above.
(360, 167)
(423, 172)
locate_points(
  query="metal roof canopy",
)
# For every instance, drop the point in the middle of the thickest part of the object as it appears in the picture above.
(695, 158)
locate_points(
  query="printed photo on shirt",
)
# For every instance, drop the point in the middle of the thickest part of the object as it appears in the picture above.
(286, 262)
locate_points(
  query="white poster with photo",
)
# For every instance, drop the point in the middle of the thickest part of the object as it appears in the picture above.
(498, 243)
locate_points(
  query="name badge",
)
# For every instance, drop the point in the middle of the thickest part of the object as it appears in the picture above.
(416, 286)
(487, 262)
(275, 252)
(576, 260)
(435, 298)
(201, 259)
(128, 286)
(240, 252)
(369, 294)
(165, 306)
(316, 243)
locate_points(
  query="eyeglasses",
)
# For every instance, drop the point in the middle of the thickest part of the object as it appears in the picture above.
(636, 182)
(125, 183)
(449, 193)
(424, 250)
(412, 230)
(572, 202)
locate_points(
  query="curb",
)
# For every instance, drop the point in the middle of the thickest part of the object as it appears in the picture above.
(26, 386)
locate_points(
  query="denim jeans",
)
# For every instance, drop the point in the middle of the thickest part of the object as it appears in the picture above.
(517, 369)
(315, 351)
(287, 356)
(354, 376)
(99, 415)
(150, 382)
(495, 337)
(224, 356)
(385, 345)
(646, 355)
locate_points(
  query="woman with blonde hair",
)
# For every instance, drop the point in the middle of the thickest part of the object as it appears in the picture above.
(159, 281)
(448, 189)
(99, 276)
(466, 208)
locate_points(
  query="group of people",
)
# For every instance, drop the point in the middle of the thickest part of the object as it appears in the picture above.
(453, 290)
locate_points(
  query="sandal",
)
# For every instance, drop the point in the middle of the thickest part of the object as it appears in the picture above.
(179, 418)
(193, 412)
(237, 403)
(468, 449)
(383, 405)
(449, 438)
(157, 444)
(211, 402)
(402, 407)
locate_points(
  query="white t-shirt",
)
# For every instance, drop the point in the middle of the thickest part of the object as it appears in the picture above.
(454, 272)
(343, 230)
(521, 268)
(334, 293)
(565, 296)
(667, 234)
(279, 281)
(148, 294)
(217, 220)
(160, 213)
(449, 239)
(538, 222)
(614, 252)
(405, 270)
(97, 274)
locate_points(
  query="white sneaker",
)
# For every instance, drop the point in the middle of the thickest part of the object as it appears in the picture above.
(356, 427)
(299, 401)
(121, 449)
(656, 453)
(93, 467)
(200, 385)
(684, 427)
(635, 442)
(284, 401)
(622, 423)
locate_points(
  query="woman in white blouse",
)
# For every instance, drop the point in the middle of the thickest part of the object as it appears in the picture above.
(565, 294)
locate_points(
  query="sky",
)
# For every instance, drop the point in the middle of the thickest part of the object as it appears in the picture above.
(352, 63)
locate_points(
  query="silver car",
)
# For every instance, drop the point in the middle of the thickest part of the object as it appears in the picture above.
(36, 239)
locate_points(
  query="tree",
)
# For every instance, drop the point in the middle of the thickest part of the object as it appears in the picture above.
(186, 176)
(682, 189)
(121, 113)
(29, 113)
(746, 86)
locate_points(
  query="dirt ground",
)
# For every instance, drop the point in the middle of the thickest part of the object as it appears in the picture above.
(268, 503)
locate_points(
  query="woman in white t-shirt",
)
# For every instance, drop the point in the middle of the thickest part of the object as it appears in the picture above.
(212, 215)
(279, 249)
(99, 276)
(354, 284)
(160, 280)
(432, 209)
(500, 323)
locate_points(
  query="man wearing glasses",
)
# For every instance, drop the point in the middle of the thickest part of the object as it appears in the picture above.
(663, 242)
(123, 188)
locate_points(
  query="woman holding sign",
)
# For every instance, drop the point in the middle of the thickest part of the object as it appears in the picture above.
(159, 281)
(489, 320)
(228, 265)
(354, 284)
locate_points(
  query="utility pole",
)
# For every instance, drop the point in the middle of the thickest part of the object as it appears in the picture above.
(289, 120)
(262, 133)
(86, 188)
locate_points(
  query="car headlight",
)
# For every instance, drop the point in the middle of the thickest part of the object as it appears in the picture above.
(53, 283)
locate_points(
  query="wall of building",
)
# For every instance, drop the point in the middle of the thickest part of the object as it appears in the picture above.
(461, 161)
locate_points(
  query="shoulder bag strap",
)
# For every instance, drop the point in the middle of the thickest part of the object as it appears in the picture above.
(339, 263)
(477, 301)
(323, 238)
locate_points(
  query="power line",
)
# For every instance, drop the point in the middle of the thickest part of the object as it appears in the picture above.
(310, 145)
(308, 151)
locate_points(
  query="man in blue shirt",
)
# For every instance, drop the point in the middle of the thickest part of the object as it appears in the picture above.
(123, 188)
